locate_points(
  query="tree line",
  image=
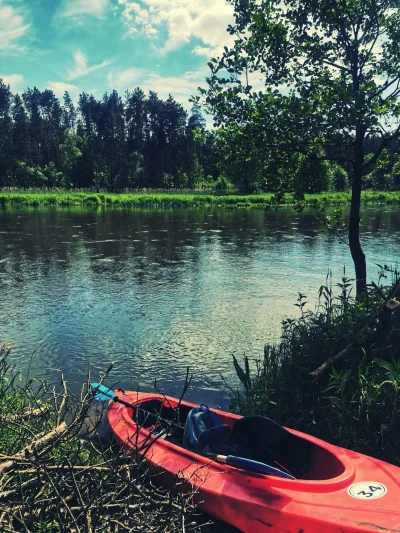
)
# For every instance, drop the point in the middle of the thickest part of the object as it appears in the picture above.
(141, 141)
(113, 143)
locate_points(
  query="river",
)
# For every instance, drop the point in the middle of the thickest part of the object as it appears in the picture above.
(157, 291)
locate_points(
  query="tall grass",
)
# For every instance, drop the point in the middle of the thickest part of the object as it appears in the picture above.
(175, 199)
(357, 404)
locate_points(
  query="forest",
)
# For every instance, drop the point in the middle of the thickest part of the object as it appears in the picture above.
(143, 142)
(112, 144)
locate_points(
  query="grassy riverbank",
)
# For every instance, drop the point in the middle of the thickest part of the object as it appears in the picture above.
(175, 200)
(355, 403)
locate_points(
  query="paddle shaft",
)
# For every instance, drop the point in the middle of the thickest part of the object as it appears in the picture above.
(249, 465)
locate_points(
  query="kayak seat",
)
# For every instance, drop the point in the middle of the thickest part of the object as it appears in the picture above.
(256, 430)
(267, 441)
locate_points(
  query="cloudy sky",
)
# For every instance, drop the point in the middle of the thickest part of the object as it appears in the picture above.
(99, 45)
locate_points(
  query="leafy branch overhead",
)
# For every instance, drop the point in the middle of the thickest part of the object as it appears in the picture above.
(314, 70)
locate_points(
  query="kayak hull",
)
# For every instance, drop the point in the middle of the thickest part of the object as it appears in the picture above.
(346, 492)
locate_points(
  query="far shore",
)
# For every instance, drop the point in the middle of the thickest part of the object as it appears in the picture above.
(181, 199)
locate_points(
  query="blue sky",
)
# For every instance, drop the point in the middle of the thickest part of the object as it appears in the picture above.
(99, 45)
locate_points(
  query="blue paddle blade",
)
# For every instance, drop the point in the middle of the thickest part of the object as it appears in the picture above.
(102, 393)
(256, 466)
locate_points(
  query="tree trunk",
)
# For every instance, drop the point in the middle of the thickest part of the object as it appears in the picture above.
(354, 226)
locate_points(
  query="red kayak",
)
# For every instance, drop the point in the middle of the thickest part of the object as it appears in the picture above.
(333, 490)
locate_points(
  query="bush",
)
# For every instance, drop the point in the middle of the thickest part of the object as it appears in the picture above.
(222, 185)
(53, 177)
(29, 176)
(356, 405)
(339, 178)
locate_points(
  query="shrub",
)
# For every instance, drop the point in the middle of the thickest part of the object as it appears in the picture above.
(222, 185)
(357, 404)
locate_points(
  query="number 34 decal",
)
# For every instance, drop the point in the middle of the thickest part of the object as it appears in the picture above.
(367, 490)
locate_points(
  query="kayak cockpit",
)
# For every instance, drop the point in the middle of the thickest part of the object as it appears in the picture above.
(252, 437)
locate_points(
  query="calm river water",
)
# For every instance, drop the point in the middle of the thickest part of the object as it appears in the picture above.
(157, 291)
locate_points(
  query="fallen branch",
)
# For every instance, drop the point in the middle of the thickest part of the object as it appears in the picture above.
(59, 468)
(13, 458)
(35, 446)
(383, 317)
(31, 413)
(26, 485)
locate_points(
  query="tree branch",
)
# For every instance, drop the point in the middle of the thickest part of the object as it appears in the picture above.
(382, 146)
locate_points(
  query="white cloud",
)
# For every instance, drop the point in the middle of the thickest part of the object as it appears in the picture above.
(206, 20)
(203, 51)
(13, 80)
(59, 88)
(77, 8)
(180, 87)
(12, 26)
(124, 79)
(81, 67)
(135, 15)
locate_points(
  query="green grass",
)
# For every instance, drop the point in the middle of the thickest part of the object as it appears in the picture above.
(176, 200)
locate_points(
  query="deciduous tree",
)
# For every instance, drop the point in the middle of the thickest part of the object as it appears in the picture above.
(314, 74)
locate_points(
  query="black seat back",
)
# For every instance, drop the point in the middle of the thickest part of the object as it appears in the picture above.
(258, 429)
(269, 442)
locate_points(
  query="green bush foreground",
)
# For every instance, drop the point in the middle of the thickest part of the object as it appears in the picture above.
(356, 404)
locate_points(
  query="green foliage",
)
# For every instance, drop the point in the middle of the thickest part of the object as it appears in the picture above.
(101, 180)
(222, 185)
(312, 175)
(71, 154)
(109, 144)
(338, 178)
(243, 375)
(386, 174)
(178, 199)
(28, 176)
(327, 87)
(357, 404)
(135, 170)
(320, 71)
(53, 177)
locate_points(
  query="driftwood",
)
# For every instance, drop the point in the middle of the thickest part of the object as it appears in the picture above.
(44, 482)
(35, 446)
(367, 334)
(82, 469)
(22, 486)
(30, 413)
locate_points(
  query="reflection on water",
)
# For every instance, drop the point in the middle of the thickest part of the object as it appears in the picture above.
(157, 291)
